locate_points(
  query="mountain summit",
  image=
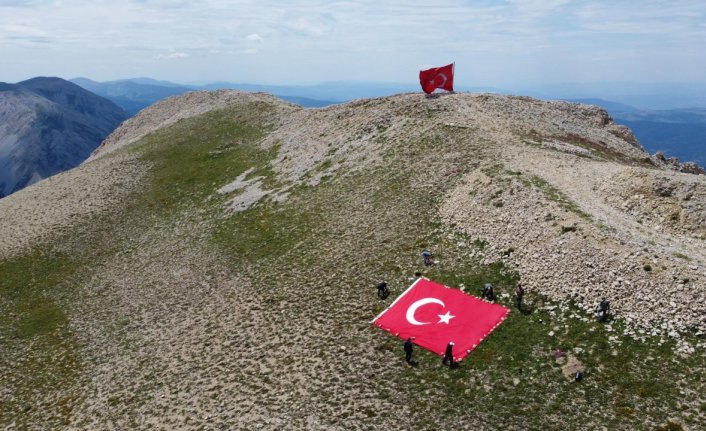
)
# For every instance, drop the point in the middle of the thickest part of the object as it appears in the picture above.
(49, 125)
(214, 263)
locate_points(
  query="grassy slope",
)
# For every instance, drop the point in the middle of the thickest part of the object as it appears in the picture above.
(315, 259)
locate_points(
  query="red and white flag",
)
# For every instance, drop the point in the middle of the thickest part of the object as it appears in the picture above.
(436, 315)
(437, 77)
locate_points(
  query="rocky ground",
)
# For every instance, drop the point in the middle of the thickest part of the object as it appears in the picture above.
(46, 212)
(597, 248)
(225, 278)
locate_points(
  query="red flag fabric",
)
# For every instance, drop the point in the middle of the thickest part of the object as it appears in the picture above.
(437, 77)
(436, 315)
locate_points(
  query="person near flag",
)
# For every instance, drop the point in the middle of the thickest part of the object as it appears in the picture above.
(449, 355)
(408, 349)
(437, 77)
(435, 315)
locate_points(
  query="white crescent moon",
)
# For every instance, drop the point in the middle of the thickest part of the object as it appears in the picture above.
(413, 308)
(445, 78)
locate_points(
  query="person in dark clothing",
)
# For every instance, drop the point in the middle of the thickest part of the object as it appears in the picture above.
(449, 356)
(578, 376)
(602, 310)
(426, 258)
(408, 349)
(519, 293)
(383, 291)
(488, 292)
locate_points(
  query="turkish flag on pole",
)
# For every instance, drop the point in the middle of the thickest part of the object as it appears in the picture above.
(436, 315)
(437, 77)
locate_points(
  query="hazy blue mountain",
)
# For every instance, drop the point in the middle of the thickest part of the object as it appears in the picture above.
(150, 81)
(652, 96)
(136, 94)
(133, 95)
(308, 103)
(612, 107)
(683, 116)
(686, 141)
(677, 133)
(49, 125)
(333, 91)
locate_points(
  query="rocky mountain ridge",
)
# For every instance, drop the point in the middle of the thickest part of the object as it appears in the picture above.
(618, 194)
(225, 246)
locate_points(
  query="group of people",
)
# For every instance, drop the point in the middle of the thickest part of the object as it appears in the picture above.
(487, 293)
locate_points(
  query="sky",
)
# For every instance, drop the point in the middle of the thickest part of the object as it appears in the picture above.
(302, 42)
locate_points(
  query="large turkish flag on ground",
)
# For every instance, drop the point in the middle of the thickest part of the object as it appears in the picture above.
(437, 77)
(436, 315)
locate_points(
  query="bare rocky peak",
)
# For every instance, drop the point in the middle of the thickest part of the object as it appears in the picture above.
(622, 237)
(560, 192)
(474, 110)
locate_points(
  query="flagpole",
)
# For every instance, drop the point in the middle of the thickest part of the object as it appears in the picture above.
(398, 298)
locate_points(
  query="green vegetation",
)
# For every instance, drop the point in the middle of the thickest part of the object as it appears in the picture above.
(189, 161)
(682, 256)
(37, 347)
(565, 229)
(198, 155)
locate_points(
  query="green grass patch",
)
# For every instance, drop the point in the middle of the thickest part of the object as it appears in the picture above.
(265, 232)
(474, 276)
(517, 364)
(682, 256)
(194, 157)
(26, 288)
(37, 344)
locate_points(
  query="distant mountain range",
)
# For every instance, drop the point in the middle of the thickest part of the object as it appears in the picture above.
(49, 125)
(136, 94)
(650, 96)
(132, 95)
(677, 133)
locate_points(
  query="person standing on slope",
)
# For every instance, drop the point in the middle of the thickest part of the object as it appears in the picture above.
(383, 291)
(449, 355)
(602, 310)
(427, 258)
(519, 293)
(408, 349)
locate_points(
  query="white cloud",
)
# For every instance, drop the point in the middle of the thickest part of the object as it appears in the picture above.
(255, 37)
(312, 40)
(171, 55)
(21, 3)
(311, 25)
(249, 51)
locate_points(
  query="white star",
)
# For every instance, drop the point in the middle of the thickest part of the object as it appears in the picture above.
(445, 317)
